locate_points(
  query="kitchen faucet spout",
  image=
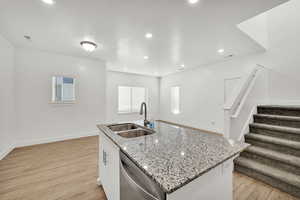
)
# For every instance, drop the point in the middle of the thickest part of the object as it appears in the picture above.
(143, 110)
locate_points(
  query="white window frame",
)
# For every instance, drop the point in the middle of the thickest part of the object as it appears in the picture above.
(53, 85)
(179, 100)
(131, 107)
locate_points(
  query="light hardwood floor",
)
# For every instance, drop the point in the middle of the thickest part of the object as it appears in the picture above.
(68, 170)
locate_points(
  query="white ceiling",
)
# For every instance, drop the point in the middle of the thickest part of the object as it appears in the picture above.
(181, 33)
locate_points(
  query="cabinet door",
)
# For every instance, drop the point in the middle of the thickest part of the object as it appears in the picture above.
(109, 170)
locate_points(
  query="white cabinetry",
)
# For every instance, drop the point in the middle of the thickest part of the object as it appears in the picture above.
(109, 167)
(216, 184)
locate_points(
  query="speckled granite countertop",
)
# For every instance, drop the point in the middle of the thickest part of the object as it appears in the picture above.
(174, 156)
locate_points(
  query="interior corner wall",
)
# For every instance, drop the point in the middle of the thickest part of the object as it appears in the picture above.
(279, 29)
(202, 93)
(38, 120)
(7, 97)
(282, 56)
(115, 79)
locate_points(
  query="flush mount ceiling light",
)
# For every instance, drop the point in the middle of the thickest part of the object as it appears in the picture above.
(88, 46)
(181, 68)
(148, 35)
(221, 51)
(50, 2)
(146, 57)
(193, 1)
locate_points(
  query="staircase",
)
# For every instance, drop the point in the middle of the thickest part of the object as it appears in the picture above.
(274, 156)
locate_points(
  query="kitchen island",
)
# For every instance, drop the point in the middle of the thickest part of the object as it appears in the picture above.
(181, 162)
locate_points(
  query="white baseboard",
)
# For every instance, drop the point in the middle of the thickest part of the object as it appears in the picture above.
(25, 143)
(6, 151)
(99, 183)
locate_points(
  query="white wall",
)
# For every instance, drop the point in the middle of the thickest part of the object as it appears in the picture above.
(202, 93)
(279, 28)
(38, 121)
(115, 79)
(7, 100)
(202, 88)
(257, 29)
(283, 55)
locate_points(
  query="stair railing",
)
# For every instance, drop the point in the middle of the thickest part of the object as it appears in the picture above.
(237, 112)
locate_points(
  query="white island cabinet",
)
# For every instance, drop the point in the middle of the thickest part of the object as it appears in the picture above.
(166, 163)
(109, 167)
(216, 184)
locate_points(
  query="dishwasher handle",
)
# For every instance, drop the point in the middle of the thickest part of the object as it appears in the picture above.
(139, 189)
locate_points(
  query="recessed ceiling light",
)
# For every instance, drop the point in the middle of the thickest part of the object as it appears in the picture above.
(182, 66)
(50, 2)
(146, 57)
(193, 1)
(88, 46)
(221, 51)
(148, 35)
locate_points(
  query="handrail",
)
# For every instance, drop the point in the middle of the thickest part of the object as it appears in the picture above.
(234, 107)
(253, 91)
(237, 100)
(236, 112)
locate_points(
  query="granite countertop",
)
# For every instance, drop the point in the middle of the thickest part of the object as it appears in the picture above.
(174, 156)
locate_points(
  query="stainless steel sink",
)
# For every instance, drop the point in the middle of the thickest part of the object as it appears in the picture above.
(135, 133)
(123, 127)
(130, 130)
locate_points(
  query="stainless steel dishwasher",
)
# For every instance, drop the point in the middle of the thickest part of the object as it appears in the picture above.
(135, 184)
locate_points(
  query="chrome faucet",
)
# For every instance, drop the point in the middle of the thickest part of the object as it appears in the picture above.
(143, 105)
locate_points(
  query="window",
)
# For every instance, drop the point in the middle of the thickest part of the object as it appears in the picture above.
(175, 100)
(63, 89)
(131, 98)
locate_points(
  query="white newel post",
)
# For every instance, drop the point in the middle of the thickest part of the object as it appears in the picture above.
(227, 122)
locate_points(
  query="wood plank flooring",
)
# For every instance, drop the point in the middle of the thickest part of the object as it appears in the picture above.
(68, 170)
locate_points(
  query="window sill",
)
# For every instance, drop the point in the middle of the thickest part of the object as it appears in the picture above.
(176, 113)
(128, 113)
(62, 102)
